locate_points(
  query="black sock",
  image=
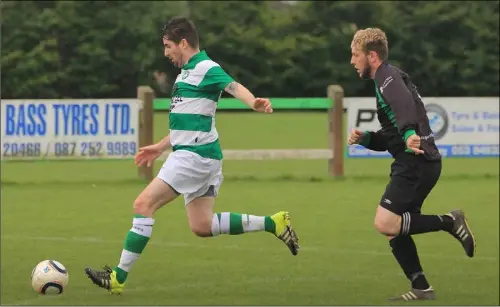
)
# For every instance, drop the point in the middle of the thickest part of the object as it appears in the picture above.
(415, 223)
(418, 281)
(405, 252)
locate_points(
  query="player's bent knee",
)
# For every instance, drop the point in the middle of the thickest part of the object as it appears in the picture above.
(200, 215)
(142, 207)
(386, 222)
(386, 226)
(202, 229)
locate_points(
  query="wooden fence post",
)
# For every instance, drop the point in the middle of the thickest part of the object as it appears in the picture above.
(336, 130)
(145, 94)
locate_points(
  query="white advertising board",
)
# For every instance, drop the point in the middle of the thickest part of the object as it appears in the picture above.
(462, 126)
(76, 129)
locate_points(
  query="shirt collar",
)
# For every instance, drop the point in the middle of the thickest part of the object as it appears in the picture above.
(195, 58)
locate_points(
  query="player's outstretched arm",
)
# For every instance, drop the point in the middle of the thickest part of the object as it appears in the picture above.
(242, 93)
(164, 144)
(148, 154)
(368, 139)
(375, 140)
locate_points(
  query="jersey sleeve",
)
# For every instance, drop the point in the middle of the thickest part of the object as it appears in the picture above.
(216, 78)
(375, 141)
(395, 93)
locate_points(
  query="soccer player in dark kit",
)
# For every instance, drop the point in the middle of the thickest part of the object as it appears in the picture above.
(405, 133)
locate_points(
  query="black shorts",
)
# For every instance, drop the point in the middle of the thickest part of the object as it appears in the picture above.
(412, 179)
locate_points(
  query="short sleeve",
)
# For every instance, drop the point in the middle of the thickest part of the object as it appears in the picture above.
(216, 78)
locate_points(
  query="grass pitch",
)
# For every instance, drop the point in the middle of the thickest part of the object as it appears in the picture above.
(78, 212)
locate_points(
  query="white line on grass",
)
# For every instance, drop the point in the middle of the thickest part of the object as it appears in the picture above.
(271, 154)
(306, 249)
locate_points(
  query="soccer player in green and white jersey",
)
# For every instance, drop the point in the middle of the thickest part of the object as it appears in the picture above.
(194, 168)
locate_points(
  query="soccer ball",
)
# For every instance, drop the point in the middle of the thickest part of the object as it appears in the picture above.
(49, 277)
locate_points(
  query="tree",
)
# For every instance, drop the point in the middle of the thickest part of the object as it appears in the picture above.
(101, 49)
(449, 50)
(80, 49)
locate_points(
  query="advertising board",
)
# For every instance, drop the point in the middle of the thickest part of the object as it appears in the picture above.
(76, 129)
(462, 126)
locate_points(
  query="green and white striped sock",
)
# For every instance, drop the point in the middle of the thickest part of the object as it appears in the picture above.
(236, 223)
(135, 242)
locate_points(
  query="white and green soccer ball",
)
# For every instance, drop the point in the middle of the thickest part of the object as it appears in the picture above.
(49, 277)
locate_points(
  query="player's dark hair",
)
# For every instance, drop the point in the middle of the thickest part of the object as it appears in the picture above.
(179, 28)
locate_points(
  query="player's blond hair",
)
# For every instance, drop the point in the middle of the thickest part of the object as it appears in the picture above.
(371, 39)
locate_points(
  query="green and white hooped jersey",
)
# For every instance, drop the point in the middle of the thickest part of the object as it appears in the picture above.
(195, 95)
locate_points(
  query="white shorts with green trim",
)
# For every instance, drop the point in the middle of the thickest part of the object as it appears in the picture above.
(192, 175)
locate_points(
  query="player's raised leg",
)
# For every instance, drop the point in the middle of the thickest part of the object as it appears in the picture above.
(156, 194)
(205, 223)
(400, 217)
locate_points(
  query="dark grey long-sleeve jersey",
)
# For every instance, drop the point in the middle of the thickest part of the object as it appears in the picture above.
(401, 113)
